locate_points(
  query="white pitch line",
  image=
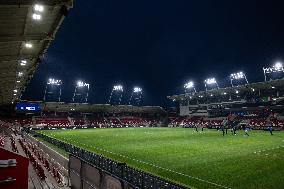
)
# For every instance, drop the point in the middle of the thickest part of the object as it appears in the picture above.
(269, 149)
(153, 165)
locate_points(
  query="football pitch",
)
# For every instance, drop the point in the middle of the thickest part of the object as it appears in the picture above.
(203, 159)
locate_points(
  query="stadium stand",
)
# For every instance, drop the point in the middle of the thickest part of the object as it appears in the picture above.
(27, 29)
(256, 105)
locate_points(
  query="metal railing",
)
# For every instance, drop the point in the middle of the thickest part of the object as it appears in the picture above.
(137, 178)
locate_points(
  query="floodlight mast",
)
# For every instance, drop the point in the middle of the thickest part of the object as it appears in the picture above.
(81, 84)
(276, 68)
(238, 76)
(137, 91)
(52, 82)
(189, 85)
(210, 81)
(116, 88)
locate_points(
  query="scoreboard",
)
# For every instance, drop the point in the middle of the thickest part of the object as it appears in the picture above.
(27, 107)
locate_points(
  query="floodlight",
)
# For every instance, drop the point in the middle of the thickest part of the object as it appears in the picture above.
(238, 75)
(237, 92)
(38, 8)
(28, 45)
(52, 81)
(18, 81)
(224, 93)
(137, 90)
(210, 81)
(118, 88)
(15, 94)
(15, 90)
(278, 65)
(276, 68)
(36, 16)
(82, 84)
(189, 85)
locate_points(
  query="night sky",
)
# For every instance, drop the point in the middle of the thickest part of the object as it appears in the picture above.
(159, 45)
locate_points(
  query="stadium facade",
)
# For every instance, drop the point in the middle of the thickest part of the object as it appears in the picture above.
(224, 101)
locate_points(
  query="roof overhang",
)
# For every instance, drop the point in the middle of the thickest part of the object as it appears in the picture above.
(17, 27)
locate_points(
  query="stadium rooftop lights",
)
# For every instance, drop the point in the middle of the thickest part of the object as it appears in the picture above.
(118, 88)
(210, 81)
(38, 8)
(28, 45)
(238, 76)
(277, 67)
(189, 85)
(20, 74)
(36, 16)
(137, 90)
(23, 62)
(82, 84)
(52, 81)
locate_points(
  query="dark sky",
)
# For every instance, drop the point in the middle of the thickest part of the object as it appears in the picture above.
(159, 45)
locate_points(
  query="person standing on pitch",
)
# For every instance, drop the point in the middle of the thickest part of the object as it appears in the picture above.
(270, 129)
(246, 130)
(234, 128)
(223, 130)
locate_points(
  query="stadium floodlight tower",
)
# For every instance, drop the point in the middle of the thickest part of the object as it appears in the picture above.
(116, 94)
(211, 82)
(275, 70)
(81, 92)
(236, 77)
(136, 96)
(52, 90)
(189, 87)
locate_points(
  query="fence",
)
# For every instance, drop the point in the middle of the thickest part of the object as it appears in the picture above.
(137, 178)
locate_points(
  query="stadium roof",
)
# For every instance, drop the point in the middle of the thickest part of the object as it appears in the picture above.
(25, 34)
(261, 86)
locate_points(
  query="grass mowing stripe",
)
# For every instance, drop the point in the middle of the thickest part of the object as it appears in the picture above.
(240, 162)
(151, 164)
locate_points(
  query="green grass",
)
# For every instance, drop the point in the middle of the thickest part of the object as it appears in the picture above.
(231, 161)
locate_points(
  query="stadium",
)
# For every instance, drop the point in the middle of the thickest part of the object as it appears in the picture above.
(213, 135)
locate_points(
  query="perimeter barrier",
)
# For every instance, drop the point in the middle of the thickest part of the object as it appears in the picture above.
(135, 178)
